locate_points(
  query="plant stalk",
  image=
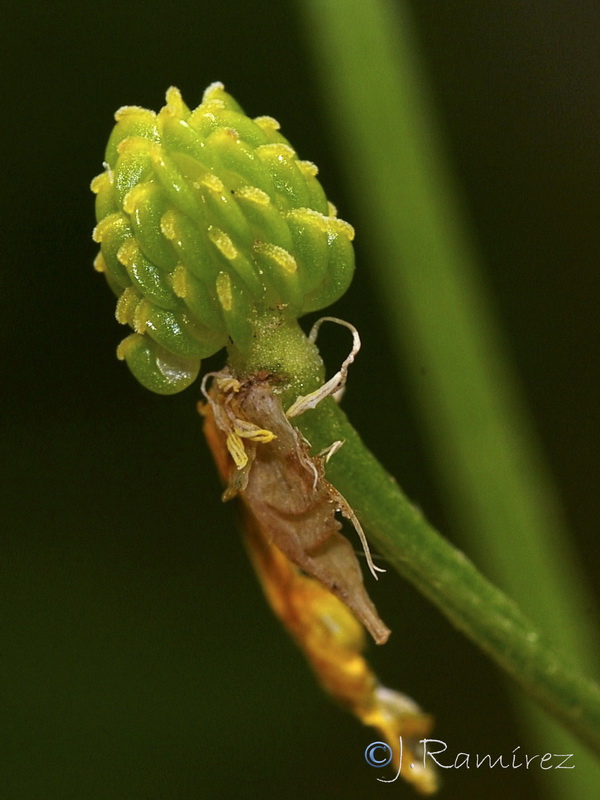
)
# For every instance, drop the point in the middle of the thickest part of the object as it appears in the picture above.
(417, 551)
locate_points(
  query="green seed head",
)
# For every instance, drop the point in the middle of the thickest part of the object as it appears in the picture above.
(208, 222)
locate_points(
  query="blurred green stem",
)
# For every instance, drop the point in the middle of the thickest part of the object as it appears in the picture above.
(441, 321)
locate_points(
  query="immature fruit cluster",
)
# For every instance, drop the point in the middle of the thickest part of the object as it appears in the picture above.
(208, 221)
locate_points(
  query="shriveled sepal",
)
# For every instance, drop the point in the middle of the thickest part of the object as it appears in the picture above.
(285, 489)
(308, 570)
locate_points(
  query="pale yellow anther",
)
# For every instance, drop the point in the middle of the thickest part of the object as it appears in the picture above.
(267, 123)
(212, 182)
(332, 209)
(229, 384)
(210, 91)
(222, 242)
(100, 263)
(309, 217)
(206, 115)
(248, 430)
(121, 309)
(127, 111)
(126, 305)
(236, 447)
(100, 229)
(167, 225)
(134, 111)
(326, 224)
(140, 316)
(139, 144)
(254, 194)
(175, 101)
(134, 196)
(262, 436)
(179, 281)
(99, 182)
(224, 292)
(307, 168)
(275, 150)
(282, 257)
(211, 108)
(128, 252)
(342, 227)
(122, 349)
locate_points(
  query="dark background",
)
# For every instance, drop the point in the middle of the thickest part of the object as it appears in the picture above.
(138, 659)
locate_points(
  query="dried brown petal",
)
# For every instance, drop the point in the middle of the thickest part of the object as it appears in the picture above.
(285, 490)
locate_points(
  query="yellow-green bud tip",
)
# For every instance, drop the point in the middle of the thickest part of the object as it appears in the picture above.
(207, 222)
